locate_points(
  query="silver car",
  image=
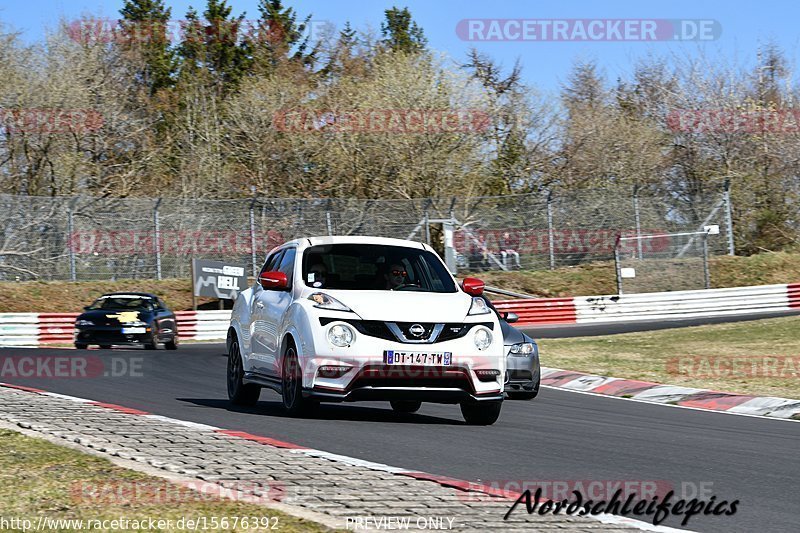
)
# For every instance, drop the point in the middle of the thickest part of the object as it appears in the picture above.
(523, 374)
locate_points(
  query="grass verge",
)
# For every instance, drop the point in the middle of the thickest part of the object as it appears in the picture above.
(584, 280)
(761, 357)
(38, 478)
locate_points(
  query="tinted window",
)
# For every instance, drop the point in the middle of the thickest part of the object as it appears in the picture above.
(287, 264)
(269, 265)
(375, 267)
(123, 302)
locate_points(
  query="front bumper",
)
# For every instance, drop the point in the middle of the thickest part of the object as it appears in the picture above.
(111, 335)
(379, 382)
(370, 377)
(522, 373)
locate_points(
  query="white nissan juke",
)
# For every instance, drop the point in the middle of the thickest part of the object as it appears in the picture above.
(364, 318)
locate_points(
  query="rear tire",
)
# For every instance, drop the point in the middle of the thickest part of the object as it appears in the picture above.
(81, 346)
(406, 406)
(239, 393)
(292, 385)
(481, 413)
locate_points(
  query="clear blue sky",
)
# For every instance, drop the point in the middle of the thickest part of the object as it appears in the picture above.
(745, 26)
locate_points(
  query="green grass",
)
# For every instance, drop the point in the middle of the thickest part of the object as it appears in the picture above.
(38, 478)
(647, 356)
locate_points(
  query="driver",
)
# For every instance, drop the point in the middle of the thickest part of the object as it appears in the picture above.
(395, 276)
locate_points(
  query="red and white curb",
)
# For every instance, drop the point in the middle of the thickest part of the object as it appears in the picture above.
(459, 484)
(689, 397)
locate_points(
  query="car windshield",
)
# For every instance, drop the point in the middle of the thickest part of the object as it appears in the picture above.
(139, 303)
(375, 267)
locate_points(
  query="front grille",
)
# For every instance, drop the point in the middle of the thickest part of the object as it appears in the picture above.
(380, 330)
(520, 375)
(412, 376)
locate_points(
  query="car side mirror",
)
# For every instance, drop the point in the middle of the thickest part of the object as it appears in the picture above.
(273, 281)
(510, 317)
(87, 307)
(473, 286)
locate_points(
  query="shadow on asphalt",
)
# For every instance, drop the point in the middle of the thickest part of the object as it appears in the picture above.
(328, 412)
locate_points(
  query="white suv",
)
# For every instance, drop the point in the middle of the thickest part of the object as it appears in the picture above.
(365, 318)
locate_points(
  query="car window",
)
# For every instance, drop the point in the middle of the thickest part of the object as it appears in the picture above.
(375, 267)
(269, 264)
(123, 302)
(287, 264)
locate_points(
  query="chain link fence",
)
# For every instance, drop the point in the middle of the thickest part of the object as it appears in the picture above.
(83, 238)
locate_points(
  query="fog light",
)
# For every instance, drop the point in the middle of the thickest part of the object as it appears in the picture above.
(332, 371)
(487, 375)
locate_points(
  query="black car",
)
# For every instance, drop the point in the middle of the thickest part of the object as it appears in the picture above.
(132, 318)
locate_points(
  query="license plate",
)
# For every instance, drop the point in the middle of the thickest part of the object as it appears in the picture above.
(132, 331)
(393, 357)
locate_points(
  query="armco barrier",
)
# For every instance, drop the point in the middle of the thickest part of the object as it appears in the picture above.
(34, 329)
(655, 305)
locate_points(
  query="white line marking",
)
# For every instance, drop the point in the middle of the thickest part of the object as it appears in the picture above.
(185, 423)
(762, 417)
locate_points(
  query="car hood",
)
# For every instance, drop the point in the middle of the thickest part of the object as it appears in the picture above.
(113, 317)
(408, 306)
(512, 335)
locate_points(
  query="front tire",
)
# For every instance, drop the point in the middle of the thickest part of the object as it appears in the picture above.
(481, 413)
(292, 385)
(172, 344)
(405, 406)
(105, 346)
(239, 393)
(81, 346)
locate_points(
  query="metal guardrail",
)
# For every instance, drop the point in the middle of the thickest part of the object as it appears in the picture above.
(35, 329)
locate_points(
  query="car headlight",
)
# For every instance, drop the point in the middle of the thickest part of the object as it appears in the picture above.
(341, 335)
(326, 301)
(522, 349)
(482, 338)
(135, 323)
(84, 323)
(478, 307)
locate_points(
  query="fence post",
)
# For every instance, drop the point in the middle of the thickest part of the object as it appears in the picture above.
(253, 255)
(550, 231)
(427, 228)
(706, 273)
(157, 238)
(71, 232)
(328, 221)
(617, 267)
(638, 220)
(726, 197)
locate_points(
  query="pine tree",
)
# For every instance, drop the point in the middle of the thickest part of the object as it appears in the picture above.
(401, 33)
(143, 31)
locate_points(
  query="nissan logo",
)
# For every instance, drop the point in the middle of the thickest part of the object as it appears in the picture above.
(417, 330)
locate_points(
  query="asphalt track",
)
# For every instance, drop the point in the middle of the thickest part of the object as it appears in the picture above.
(559, 436)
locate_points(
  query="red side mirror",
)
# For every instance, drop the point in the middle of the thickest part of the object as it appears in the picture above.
(273, 281)
(473, 286)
